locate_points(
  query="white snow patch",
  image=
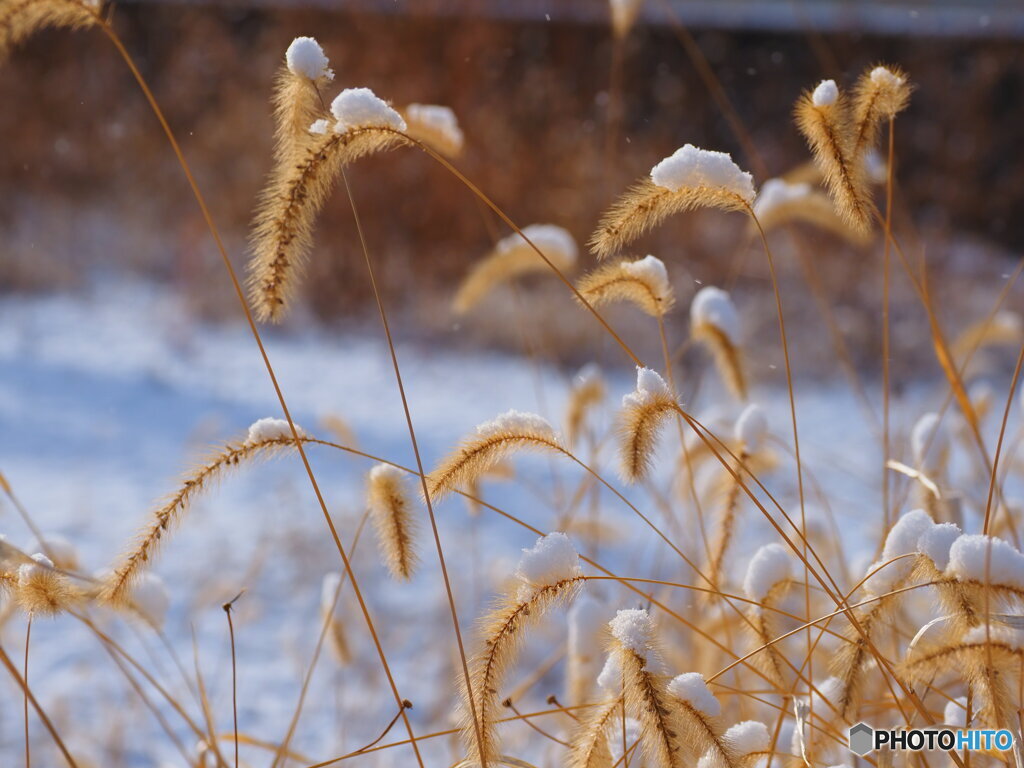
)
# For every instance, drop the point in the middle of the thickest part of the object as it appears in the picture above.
(651, 271)
(692, 167)
(713, 306)
(551, 560)
(974, 554)
(826, 94)
(362, 108)
(691, 688)
(633, 629)
(306, 58)
(770, 565)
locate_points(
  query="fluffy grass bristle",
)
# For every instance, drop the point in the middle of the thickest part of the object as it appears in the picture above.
(20, 19)
(640, 419)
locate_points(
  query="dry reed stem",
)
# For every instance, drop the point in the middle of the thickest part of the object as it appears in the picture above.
(645, 205)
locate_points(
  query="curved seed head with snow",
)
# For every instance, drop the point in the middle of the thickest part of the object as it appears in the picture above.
(772, 564)
(715, 323)
(643, 282)
(492, 441)
(751, 428)
(264, 430)
(436, 126)
(692, 167)
(643, 412)
(935, 543)
(550, 561)
(691, 689)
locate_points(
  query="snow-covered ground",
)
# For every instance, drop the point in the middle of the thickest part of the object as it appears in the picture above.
(106, 398)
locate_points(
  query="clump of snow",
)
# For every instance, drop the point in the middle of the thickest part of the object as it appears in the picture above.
(770, 565)
(691, 167)
(929, 443)
(778, 192)
(437, 118)
(747, 737)
(362, 108)
(150, 598)
(329, 604)
(271, 429)
(516, 421)
(649, 386)
(27, 571)
(884, 77)
(713, 306)
(551, 560)
(610, 679)
(306, 58)
(386, 472)
(972, 555)
(319, 127)
(62, 551)
(650, 270)
(751, 427)
(553, 241)
(587, 621)
(955, 714)
(634, 629)
(691, 688)
(936, 542)
(826, 94)
(903, 539)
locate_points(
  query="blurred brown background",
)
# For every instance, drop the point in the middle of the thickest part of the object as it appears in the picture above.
(88, 182)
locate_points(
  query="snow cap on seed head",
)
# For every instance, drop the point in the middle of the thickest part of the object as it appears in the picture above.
(770, 565)
(362, 108)
(980, 558)
(936, 542)
(306, 58)
(826, 94)
(692, 167)
(691, 688)
(551, 560)
(751, 427)
(713, 306)
(649, 387)
(634, 630)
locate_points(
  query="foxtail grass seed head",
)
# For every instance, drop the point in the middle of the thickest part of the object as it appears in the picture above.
(780, 202)
(691, 689)
(493, 441)
(332, 614)
(587, 392)
(776, 194)
(41, 590)
(644, 411)
(822, 117)
(362, 108)
(688, 179)
(633, 629)
(549, 574)
(747, 739)
(881, 93)
(715, 323)
(436, 126)
(20, 19)
(901, 540)
(643, 282)
(514, 256)
(771, 565)
(390, 506)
